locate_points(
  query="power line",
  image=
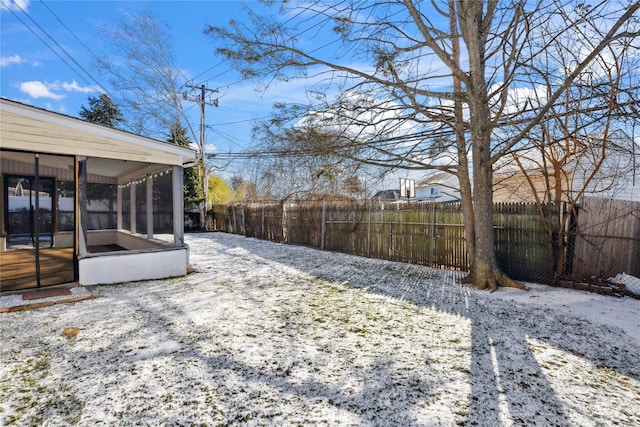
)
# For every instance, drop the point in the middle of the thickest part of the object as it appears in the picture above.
(239, 121)
(208, 69)
(69, 30)
(86, 73)
(232, 139)
(379, 143)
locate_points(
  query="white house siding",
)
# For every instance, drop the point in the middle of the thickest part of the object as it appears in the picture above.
(617, 177)
(442, 187)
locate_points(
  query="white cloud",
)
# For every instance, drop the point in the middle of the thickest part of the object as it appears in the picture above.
(74, 87)
(14, 5)
(7, 61)
(520, 98)
(37, 89)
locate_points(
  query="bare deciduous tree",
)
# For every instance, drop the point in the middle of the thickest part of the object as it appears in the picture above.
(301, 162)
(146, 81)
(580, 146)
(141, 70)
(431, 77)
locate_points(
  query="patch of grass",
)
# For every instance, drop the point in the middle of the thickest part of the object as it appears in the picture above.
(32, 395)
(361, 330)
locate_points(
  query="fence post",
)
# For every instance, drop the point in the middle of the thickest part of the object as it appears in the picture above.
(323, 226)
(433, 232)
(263, 220)
(235, 223)
(284, 221)
(244, 223)
(369, 232)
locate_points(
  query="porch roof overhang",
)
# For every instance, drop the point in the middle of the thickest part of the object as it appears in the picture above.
(27, 128)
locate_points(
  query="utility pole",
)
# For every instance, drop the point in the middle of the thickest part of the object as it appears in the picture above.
(201, 98)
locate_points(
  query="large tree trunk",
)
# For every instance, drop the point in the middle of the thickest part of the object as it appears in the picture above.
(485, 272)
(466, 196)
(464, 182)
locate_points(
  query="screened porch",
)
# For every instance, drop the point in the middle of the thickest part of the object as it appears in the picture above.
(88, 204)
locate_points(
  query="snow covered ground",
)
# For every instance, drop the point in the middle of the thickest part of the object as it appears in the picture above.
(271, 334)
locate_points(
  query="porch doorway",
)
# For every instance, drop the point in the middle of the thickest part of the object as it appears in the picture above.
(32, 253)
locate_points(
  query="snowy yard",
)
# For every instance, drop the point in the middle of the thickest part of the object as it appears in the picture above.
(270, 334)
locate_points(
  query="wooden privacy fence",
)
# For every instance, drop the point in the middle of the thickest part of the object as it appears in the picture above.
(422, 233)
(606, 238)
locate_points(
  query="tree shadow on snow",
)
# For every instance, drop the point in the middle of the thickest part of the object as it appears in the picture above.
(243, 393)
(507, 381)
(214, 370)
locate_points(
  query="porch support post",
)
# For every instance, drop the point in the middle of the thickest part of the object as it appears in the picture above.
(82, 203)
(119, 208)
(132, 215)
(178, 206)
(36, 219)
(149, 207)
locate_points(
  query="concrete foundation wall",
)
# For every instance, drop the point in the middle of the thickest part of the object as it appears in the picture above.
(117, 267)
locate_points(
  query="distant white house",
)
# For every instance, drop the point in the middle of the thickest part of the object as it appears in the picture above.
(618, 177)
(442, 187)
(614, 176)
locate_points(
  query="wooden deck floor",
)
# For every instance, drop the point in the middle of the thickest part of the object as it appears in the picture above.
(18, 268)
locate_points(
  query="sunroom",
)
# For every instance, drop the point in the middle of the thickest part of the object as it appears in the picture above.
(86, 203)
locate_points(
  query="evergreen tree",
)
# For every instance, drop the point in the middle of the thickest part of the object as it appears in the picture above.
(102, 111)
(193, 193)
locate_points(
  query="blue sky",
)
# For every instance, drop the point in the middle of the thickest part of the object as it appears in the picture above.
(34, 73)
(53, 75)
